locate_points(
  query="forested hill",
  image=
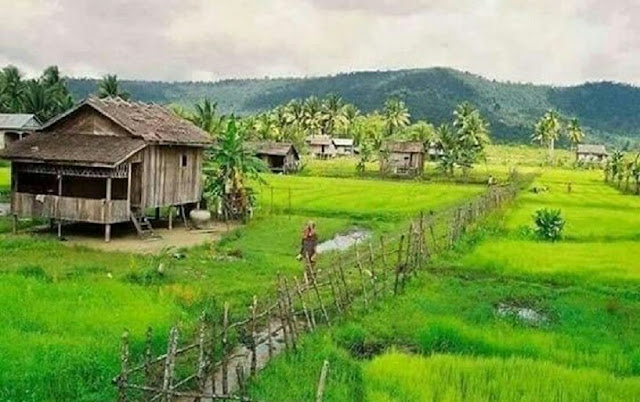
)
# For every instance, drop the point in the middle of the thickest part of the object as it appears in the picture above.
(609, 112)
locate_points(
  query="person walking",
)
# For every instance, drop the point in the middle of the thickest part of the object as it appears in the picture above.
(308, 244)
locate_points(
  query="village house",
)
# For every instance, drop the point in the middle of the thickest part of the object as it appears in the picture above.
(589, 153)
(402, 158)
(321, 146)
(344, 146)
(15, 126)
(280, 157)
(107, 161)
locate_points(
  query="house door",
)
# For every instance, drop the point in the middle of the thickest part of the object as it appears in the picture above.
(136, 185)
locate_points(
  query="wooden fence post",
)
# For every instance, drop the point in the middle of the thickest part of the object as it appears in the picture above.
(304, 306)
(283, 320)
(347, 295)
(383, 253)
(270, 331)
(336, 297)
(148, 379)
(292, 311)
(124, 368)
(407, 265)
(322, 381)
(398, 266)
(240, 379)
(169, 365)
(212, 359)
(254, 354)
(372, 268)
(314, 283)
(362, 281)
(202, 357)
(225, 357)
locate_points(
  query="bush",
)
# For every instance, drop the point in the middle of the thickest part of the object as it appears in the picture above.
(549, 224)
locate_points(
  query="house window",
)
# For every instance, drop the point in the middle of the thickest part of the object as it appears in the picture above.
(183, 160)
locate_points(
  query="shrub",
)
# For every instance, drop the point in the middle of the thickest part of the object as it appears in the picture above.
(549, 224)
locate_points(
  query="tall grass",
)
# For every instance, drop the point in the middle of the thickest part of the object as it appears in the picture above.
(400, 377)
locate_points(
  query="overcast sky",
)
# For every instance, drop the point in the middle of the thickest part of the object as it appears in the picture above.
(541, 41)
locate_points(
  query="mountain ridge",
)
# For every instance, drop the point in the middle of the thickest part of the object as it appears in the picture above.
(609, 111)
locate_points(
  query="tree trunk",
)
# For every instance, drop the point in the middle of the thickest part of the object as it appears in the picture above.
(551, 145)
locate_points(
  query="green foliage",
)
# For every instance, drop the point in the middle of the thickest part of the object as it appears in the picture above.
(44, 97)
(109, 87)
(549, 224)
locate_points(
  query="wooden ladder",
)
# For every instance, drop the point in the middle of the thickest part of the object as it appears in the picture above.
(142, 224)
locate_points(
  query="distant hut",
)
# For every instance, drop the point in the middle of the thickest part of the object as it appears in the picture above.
(321, 146)
(106, 161)
(14, 127)
(344, 146)
(402, 158)
(591, 153)
(280, 157)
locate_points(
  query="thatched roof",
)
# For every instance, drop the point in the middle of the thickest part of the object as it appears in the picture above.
(272, 148)
(77, 149)
(404, 146)
(592, 149)
(18, 121)
(149, 122)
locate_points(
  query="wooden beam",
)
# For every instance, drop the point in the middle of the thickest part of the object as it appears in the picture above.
(170, 217)
(58, 207)
(107, 227)
(129, 189)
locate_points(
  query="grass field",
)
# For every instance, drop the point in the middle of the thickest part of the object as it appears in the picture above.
(67, 306)
(449, 338)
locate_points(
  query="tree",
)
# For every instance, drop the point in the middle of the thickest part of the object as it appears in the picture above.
(109, 86)
(351, 114)
(574, 133)
(616, 166)
(367, 151)
(206, 117)
(39, 100)
(547, 131)
(446, 141)
(11, 90)
(549, 224)
(334, 117)
(231, 165)
(472, 134)
(313, 116)
(423, 132)
(396, 115)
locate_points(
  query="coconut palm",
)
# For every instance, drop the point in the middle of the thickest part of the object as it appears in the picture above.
(334, 114)
(314, 117)
(547, 131)
(351, 114)
(39, 100)
(396, 115)
(109, 86)
(574, 132)
(616, 166)
(206, 117)
(11, 90)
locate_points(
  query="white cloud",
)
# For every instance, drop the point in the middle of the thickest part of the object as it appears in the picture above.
(546, 41)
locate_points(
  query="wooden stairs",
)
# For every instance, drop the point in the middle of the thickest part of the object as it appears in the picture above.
(143, 226)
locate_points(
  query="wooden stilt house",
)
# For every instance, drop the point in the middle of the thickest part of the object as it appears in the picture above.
(106, 161)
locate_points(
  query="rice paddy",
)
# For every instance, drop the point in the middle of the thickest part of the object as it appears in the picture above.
(66, 306)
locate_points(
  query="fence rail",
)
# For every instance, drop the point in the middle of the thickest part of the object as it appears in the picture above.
(212, 368)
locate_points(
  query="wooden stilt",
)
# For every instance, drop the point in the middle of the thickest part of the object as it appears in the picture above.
(170, 217)
(107, 232)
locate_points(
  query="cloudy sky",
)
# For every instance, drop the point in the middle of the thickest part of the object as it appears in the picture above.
(541, 41)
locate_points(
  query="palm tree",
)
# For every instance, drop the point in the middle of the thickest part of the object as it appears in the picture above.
(574, 132)
(396, 115)
(351, 114)
(11, 90)
(423, 132)
(334, 114)
(447, 142)
(313, 117)
(109, 86)
(233, 164)
(206, 117)
(547, 131)
(265, 127)
(38, 99)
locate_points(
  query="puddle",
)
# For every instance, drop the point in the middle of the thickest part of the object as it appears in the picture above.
(524, 314)
(343, 241)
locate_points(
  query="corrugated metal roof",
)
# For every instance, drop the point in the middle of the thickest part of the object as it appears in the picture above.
(592, 149)
(343, 142)
(18, 121)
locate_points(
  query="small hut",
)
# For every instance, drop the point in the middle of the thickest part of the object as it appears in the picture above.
(591, 153)
(344, 146)
(280, 157)
(14, 127)
(321, 146)
(402, 158)
(106, 161)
